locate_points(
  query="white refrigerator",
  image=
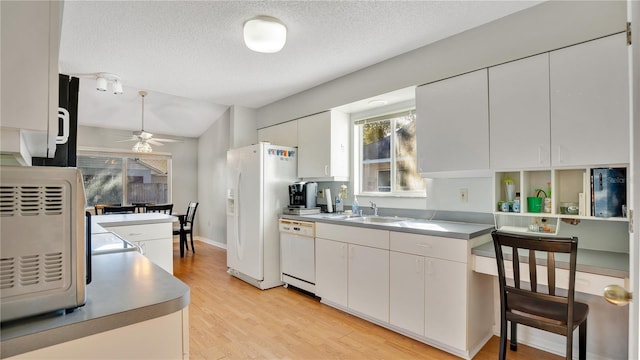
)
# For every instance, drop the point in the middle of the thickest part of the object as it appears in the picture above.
(258, 179)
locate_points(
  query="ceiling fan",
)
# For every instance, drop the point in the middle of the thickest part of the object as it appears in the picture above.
(144, 139)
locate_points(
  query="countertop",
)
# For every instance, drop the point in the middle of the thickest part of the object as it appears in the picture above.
(126, 289)
(449, 229)
(598, 262)
(97, 221)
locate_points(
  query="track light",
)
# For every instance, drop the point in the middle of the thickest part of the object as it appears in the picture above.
(101, 84)
(103, 79)
(117, 87)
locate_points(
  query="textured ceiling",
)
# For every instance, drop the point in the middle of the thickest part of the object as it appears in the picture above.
(195, 51)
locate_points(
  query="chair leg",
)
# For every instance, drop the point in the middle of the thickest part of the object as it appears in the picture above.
(582, 342)
(503, 338)
(514, 336)
(193, 248)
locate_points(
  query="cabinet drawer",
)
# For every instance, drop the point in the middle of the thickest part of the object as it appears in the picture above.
(354, 235)
(143, 232)
(432, 246)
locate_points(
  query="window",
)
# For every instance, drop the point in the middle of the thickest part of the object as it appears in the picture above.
(387, 155)
(113, 179)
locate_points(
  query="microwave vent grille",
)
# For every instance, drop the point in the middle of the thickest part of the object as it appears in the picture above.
(32, 270)
(7, 273)
(31, 200)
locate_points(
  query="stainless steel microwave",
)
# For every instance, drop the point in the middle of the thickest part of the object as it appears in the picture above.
(44, 261)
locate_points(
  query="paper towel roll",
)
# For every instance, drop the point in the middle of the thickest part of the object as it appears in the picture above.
(327, 195)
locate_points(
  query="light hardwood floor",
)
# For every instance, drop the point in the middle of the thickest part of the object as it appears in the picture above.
(230, 319)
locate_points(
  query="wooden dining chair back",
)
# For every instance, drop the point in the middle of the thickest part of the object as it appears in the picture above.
(552, 311)
(186, 226)
(164, 209)
(119, 210)
(99, 207)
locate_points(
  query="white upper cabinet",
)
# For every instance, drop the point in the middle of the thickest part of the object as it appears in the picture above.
(452, 126)
(589, 103)
(30, 46)
(323, 147)
(519, 108)
(284, 134)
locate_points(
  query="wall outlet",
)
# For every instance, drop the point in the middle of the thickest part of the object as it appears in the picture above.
(464, 195)
(320, 193)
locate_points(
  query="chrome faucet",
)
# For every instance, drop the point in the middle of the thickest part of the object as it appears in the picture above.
(374, 207)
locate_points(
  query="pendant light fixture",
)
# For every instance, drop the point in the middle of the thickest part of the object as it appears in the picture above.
(265, 34)
(142, 145)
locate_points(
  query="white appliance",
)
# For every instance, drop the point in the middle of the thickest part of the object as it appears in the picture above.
(45, 260)
(297, 254)
(258, 188)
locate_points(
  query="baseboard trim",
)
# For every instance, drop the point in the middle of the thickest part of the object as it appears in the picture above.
(176, 239)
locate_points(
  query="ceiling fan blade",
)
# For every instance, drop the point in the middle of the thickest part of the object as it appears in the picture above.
(167, 140)
(132, 138)
(154, 142)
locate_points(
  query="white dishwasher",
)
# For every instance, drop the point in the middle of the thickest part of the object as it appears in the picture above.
(297, 254)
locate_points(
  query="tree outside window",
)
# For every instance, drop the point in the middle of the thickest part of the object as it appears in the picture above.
(381, 169)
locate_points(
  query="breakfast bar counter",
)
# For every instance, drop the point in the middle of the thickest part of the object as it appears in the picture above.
(126, 290)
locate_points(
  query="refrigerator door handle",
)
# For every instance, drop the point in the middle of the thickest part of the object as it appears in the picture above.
(236, 217)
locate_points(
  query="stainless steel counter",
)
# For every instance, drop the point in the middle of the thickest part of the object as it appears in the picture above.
(449, 229)
(126, 289)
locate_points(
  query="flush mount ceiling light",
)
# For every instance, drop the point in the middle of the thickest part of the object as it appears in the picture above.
(377, 102)
(103, 79)
(265, 34)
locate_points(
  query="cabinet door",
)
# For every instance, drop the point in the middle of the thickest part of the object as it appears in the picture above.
(285, 134)
(452, 125)
(369, 281)
(30, 45)
(406, 293)
(519, 108)
(446, 302)
(589, 103)
(323, 146)
(159, 251)
(331, 271)
(314, 141)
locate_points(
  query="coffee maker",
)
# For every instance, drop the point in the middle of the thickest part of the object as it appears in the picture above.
(302, 195)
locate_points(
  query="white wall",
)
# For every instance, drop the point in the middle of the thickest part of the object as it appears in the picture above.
(242, 129)
(212, 181)
(183, 154)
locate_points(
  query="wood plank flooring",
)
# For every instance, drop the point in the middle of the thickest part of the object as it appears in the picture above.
(230, 319)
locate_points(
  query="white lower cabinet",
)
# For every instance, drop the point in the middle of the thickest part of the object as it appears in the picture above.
(155, 240)
(446, 302)
(407, 291)
(419, 285)
(368, 285)
(331, 271)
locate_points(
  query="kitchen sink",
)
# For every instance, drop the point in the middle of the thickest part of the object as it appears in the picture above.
(376, 219)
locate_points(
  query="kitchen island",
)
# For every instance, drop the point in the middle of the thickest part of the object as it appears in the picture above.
(134, 309)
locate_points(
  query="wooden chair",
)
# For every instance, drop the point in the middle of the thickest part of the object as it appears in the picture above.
(119, 209)
(186, 227)
(164, 208)
(99, 207)
(551, 312)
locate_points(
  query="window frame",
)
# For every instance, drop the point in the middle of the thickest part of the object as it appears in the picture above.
(358, 157)
(125, 157)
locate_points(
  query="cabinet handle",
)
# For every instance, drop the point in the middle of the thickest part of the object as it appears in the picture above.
(560, 154)
(429, 267)
(425, 246)
(63, 115)
(351, 251)
(134, 234)
(326, 169)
